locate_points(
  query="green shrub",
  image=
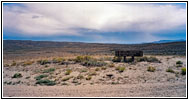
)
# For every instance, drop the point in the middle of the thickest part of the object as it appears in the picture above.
(151, 69)
(179, 62)
(88, 77)
(13, 63)
(17, 75)
(117, 59)
(84, 70)
(148, 59)
(140, 59)
(46, 82)
(183, 71)
(120, 69)
(89, 61)
(68, 71)
(49, 70)
(58, 60)
(129, 60)
(40, 77)
(93, 63)
(43, 62)
(178, 65)
(170, 70)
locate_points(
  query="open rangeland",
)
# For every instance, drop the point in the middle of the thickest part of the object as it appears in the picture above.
(92, 75)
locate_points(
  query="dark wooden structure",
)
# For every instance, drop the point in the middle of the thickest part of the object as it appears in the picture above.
(131, 53)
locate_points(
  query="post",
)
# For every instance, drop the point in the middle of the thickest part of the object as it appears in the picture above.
(133, 58)
(125, 59)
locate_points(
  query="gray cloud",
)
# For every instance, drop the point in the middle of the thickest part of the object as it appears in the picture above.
(70, 18)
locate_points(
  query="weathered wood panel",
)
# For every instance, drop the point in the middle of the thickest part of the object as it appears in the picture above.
(129, 53)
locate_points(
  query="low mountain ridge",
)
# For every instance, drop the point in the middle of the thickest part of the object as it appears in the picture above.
(170, 48)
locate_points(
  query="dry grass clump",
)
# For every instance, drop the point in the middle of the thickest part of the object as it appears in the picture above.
(80, 77)
(58, 60)
(26, 63)
(68, 71)
(103, 68)
(113, 83)
(116, 59)
(71, 59)
(89, 77)
(97, 69)
(43, 62)
(120, 69)
(170, 70)
(64, 83)
(46, 66)
(105, 59)
(151, 69)
(183, 71)
(6, 65)
(79, 59)
(17, 75)
(112, 65)
(92, 73)
(13, 63)
(27, 77)
(67, 78)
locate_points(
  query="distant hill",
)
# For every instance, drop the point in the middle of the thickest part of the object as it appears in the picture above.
(22, 46)
(167, 41)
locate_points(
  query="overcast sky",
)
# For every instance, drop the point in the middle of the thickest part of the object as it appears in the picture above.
(95, 22)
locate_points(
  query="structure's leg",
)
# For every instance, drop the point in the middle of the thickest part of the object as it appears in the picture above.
(133, 58)
(125, 59)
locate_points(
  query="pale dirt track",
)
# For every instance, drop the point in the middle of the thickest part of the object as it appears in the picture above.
(121, 90)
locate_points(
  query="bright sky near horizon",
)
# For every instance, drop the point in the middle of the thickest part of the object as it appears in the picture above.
(94, 22)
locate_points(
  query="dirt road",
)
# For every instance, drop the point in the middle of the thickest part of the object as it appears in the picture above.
(167, 89)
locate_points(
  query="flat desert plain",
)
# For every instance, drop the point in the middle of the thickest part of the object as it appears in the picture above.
(76, 80)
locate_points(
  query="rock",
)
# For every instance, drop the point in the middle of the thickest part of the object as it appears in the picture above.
(109, 75)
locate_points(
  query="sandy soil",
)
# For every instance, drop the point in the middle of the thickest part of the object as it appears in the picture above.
(131, 90)
(134, 81)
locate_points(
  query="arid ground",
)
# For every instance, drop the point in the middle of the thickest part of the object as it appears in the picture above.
(41, 73)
